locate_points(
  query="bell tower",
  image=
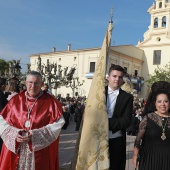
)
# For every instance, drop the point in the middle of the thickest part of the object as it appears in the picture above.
(159, 29)
(156, 40)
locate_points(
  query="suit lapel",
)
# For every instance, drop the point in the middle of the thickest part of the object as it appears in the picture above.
(119, 101)
(106, 93)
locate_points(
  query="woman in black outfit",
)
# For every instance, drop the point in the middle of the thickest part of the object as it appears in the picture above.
(152, 144)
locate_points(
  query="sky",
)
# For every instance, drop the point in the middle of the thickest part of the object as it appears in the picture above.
(36, 26)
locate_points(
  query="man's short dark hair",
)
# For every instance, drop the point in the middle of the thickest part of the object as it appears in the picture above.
(116, 67)
(2, 82)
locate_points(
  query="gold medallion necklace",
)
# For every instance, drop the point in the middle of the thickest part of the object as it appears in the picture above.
(163, 136)
(28, 122)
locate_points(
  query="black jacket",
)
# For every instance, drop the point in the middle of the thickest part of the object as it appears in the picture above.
(3, 100)
(123, 111)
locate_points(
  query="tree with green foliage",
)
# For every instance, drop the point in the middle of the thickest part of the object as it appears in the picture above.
(4, 65)
(160, 74)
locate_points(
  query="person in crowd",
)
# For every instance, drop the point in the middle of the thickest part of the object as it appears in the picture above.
(68, 105)
(78, 115)
(46, 88)
(75, 103)
(139, 114)
(3, 100)
(132, 129)
(30, 125)
(141, 102)
(152, 144)
(119, 112)
(66, 116)
(139, 85)
(22, 86)
(12, 88)
(136, 118)
(68, 97)
(72, 110)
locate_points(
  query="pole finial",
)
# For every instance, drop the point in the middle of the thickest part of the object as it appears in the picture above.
(111, 15)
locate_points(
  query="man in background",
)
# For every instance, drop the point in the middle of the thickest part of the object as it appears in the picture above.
(3, 100)
(46, 88)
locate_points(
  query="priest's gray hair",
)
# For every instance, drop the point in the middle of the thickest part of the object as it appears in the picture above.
(35, 73)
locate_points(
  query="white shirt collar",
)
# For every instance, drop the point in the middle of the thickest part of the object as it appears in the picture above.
(110, 91)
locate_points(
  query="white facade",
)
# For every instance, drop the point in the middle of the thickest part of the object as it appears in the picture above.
(81, 59)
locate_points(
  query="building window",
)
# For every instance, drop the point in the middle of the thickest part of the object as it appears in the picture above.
(156, 23)
(157, 57)
(136, 73)
(160, 4)
(164, 21)
(92, 67)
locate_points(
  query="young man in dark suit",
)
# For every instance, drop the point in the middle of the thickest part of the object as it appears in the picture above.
(119, 111)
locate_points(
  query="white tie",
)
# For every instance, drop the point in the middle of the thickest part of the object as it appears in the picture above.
(110, 91)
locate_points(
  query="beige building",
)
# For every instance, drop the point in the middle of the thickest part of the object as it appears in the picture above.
(84, 60)
(140, 60)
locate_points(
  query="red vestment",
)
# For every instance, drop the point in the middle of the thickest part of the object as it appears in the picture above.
(46, 111)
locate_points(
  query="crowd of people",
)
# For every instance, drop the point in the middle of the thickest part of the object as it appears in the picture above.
(73, 109)
(31, 120)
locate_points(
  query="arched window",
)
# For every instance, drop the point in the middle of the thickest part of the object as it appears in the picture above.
(164, 21)
(156, 23)
(160, 4)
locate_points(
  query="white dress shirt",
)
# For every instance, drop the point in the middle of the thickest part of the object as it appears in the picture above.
(111, 102)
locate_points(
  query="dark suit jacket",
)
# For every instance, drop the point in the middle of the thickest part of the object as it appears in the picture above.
(3, 100)
(123, 111)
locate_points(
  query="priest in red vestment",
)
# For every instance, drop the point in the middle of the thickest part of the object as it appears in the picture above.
(30, 125)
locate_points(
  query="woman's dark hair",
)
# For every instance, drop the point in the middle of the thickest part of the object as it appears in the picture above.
(160, 87)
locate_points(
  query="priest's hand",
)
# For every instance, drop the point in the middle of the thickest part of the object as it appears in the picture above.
(23, 136)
